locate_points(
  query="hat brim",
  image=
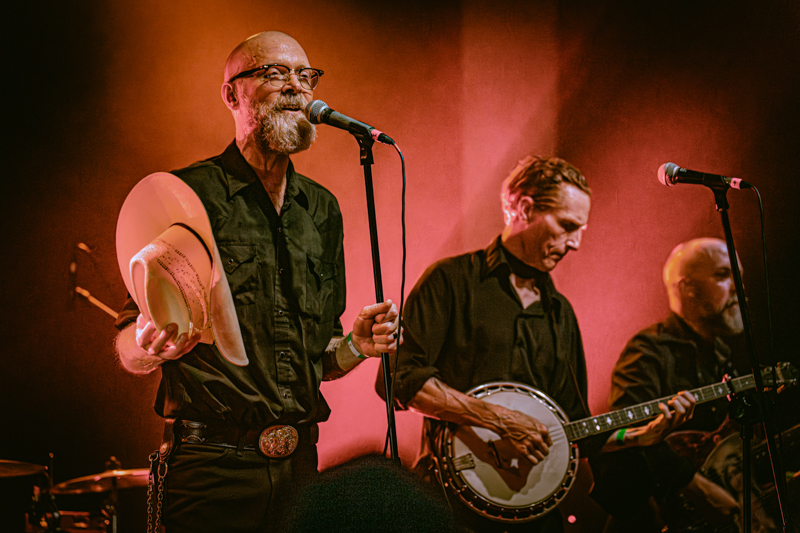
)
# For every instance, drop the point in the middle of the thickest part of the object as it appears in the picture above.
(156, 203)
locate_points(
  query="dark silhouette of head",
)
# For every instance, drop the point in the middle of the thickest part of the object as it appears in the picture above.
(370, 493)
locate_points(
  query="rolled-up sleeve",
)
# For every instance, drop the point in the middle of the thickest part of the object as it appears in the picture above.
(426, 321)
(127, 315)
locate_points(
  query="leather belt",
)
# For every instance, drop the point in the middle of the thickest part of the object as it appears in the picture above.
(276, 442)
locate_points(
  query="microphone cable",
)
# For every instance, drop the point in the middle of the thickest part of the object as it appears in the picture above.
(392, 367)
(766, 274)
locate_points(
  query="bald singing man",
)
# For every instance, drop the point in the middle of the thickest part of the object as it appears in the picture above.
(638, 477)
(280, 238)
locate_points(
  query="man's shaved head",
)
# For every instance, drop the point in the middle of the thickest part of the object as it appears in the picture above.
(251, 52)
(688, 256)
(700, 286)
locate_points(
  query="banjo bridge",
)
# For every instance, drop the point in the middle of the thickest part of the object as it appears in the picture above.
(463, 462)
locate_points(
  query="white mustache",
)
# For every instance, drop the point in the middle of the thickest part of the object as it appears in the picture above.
(287, 101)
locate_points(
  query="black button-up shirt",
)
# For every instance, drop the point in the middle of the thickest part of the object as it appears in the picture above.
(465, 325)
(659, 361)
(287, 279)
(667, 358)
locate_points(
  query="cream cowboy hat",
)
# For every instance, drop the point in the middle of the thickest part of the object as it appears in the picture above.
(171, 265)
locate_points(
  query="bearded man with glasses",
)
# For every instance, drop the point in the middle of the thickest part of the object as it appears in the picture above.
(280, 240)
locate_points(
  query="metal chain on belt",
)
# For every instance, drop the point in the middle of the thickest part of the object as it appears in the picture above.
(150, 486)
(155, 484)
(162, 477)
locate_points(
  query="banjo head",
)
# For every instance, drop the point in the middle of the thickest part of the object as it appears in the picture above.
(491, 477)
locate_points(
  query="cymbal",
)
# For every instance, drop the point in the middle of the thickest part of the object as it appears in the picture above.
(17, 469)
(126, 479)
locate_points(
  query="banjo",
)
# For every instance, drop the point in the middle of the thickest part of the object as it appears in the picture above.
(492, 479)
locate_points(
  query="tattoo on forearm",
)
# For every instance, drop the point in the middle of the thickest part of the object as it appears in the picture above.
(330, 367)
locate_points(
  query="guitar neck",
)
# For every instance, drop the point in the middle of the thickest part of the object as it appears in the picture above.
(636, 413)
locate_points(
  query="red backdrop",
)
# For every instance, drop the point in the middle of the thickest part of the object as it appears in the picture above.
(101, 94)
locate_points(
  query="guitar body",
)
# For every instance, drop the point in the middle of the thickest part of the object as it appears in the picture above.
(490, 477)
(719, 455)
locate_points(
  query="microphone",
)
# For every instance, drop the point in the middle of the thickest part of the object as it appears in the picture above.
(318, 112)
(670, 174)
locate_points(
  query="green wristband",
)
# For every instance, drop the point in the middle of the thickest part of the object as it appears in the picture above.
(621, 436)
(353, 347)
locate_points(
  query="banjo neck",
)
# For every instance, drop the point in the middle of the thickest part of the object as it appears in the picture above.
(636, 413)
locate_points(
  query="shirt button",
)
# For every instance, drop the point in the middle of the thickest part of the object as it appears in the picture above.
(230, 261)
(280, 271)
(280, 312)
(282, 355)
(280, 230)
(285, 394)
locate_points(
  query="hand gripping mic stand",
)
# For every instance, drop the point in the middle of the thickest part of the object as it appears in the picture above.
(365, 142)
(746, 412)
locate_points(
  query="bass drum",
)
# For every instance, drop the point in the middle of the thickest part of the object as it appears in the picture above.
(487, 473)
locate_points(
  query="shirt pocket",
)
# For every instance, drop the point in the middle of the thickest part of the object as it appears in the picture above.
(320, 288)
(240, 262)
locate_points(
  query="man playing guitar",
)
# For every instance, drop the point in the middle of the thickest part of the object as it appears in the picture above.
(638, 474)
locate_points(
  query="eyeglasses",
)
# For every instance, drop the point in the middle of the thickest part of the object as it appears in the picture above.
(278, 75)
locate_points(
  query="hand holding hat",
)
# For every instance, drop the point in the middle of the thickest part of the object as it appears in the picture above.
(167, 344)
(172, 269)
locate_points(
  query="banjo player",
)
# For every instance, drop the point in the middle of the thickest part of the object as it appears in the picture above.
(494, 315)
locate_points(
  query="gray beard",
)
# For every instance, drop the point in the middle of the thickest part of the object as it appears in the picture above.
(724, 324)
(282, 133)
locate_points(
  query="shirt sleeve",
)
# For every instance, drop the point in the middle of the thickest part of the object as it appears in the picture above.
(127, 315)
(425, 323)
(341, 283)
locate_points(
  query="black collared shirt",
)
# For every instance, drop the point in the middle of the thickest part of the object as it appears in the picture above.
(465, 325)
(667, 358)
(659, 361)
(287, 278)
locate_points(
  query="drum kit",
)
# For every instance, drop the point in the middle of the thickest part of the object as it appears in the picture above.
(32, 504)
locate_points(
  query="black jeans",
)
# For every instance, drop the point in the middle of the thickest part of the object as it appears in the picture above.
(213, 489)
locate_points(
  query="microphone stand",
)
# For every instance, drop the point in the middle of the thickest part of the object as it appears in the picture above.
(365, 143)
(745, 412)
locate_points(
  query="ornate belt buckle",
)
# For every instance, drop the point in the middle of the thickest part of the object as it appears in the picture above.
(278, 442)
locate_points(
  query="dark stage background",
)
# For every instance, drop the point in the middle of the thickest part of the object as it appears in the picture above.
(99, 94)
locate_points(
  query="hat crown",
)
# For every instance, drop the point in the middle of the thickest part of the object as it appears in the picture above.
(172, 277)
